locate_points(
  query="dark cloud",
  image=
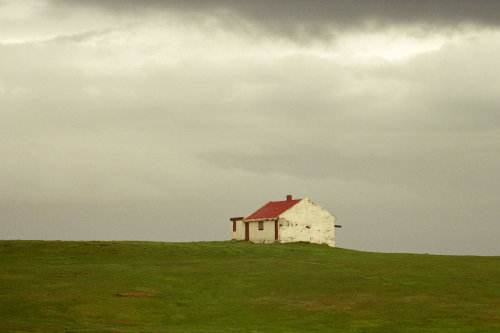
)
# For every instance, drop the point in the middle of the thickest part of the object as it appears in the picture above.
(320, 19)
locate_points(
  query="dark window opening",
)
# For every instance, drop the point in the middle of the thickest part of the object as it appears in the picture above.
(261, 225)
(234, 226)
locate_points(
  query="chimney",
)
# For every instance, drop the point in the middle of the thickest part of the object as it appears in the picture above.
(289, 197)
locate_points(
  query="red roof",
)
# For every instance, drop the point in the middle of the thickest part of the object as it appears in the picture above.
(272, 209)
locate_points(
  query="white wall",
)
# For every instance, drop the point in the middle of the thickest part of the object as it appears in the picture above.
(240, 230)
(307, 222)
(261, 236)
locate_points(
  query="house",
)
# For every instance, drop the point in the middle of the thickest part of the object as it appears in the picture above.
(292, 220)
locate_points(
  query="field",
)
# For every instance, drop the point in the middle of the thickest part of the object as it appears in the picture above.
(241, 287)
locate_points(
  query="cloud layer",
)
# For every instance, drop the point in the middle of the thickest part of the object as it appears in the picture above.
(292, 16)
(159, 120)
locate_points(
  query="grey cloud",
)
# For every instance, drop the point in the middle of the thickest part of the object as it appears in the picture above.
(427, 125)
(65, 38)
(408, 161)
(79, 37)
(306, 20)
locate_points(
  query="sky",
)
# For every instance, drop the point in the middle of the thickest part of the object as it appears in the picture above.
(159, 120)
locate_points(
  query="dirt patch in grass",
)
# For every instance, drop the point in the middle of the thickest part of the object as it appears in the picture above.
(134, 294)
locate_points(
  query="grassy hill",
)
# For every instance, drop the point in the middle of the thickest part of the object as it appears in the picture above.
(241, 287)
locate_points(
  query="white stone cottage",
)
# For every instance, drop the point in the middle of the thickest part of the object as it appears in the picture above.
(292, 220)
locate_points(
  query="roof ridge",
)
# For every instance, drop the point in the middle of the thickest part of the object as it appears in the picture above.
(272, 209)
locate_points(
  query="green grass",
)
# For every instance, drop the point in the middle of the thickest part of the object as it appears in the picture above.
(241, 287)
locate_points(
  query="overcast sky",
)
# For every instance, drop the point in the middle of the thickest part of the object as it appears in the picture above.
(159, 120)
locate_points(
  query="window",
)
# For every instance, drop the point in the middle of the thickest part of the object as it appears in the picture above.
(261, 225)
(234, 226)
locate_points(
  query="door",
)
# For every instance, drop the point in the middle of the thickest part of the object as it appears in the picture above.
(247, 232)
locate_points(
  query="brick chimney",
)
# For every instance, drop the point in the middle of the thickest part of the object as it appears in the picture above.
(289, 197)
